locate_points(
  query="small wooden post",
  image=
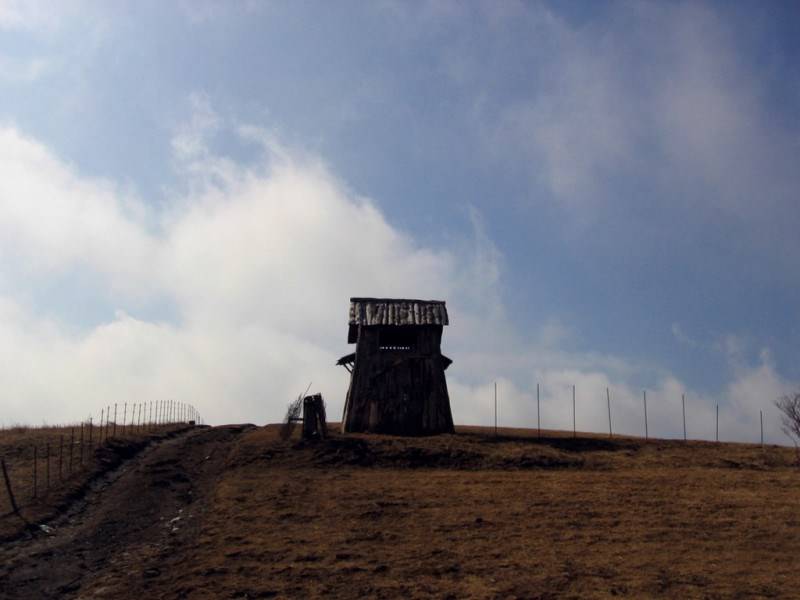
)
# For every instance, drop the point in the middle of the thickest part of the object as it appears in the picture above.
(47, 467)
(761, 416)
(35, 471)
(60, 456)
(114, 434)
(8, 487)
(683, 410)
(608, 399)
(71, 444)
(646, 432)
(574, 430)
(100, 433)
(538, 413)
(716, 435)
(124, 418)
(495, 409)
(81, 445)
(90, 435)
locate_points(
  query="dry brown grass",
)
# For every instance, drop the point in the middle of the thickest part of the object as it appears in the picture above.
(89, 459)
(471, 516)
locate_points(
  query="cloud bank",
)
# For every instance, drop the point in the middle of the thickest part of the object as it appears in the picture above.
(233, 296)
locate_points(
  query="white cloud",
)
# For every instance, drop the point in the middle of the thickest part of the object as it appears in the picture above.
(189, 144)
(259, 264)
(52, 219)
(260, 268)
(26, 14)
(659, 93)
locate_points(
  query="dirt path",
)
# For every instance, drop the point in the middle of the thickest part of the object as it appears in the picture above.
(127, 529)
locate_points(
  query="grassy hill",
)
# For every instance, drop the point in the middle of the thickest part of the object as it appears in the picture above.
(468, 515)
(471, 515)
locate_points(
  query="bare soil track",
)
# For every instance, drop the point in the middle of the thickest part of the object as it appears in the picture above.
(126, 529)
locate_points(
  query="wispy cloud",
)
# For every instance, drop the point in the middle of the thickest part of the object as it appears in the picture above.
(16, 70)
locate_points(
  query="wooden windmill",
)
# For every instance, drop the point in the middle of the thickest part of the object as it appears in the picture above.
(397, 381)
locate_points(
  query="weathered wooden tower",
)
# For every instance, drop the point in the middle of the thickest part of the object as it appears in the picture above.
(397, 382)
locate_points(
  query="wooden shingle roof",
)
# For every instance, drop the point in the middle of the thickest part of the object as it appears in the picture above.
(397, 311)
(394, 312)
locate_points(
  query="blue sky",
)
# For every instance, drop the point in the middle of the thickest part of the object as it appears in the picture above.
(604, 193)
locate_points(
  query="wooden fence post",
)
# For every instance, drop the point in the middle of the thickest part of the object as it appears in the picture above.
(761, 416)
(646, 432)
(114, 434)
(8, 487)
(60, 456)
(716, 434)
(47, 467)
(538, 413)
(608, 399)
(71, 444)
(81, 445)
(35, 471)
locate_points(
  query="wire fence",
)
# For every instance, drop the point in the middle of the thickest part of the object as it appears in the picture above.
(646, 421)
(40, 464)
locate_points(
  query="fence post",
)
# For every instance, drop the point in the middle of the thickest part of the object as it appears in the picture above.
(81, 445)
(683, 410)
(608, 398)
(71, 444)
(114, 434)
(8, 487)
(761, 415)
(90, 435)
(495, 409)
(646, 432)
(538, 413)
(574, 430)
(60, 456)
(35, 471)
(716, 434)
(47, 467)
